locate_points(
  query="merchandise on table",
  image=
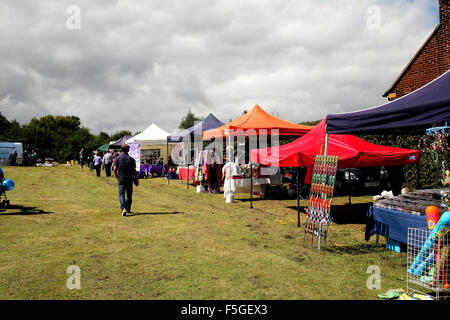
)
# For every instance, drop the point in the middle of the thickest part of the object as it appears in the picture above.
(414, 202)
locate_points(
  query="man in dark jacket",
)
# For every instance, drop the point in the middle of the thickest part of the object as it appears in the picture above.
(126, 174)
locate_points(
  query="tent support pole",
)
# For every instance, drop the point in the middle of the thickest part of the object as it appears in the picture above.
(251, 186)
(319, 242)
(298, 198)
(167, 172)
(350, 187)
(187, 178)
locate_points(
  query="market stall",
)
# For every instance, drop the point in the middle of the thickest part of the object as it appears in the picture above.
(352, 152)
(391, 217)
(413, 113)
(117, 144)
(256, 122)
(153, 144)
(186, 173)
(103, 148)
(150, 170)
(247, 178)
(256, 119)
(195, 132)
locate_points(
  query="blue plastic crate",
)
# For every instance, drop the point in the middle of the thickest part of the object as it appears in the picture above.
(393, 245)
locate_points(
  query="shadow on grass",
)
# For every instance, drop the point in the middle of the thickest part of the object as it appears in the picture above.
(248, 199)
(143, 213)
(345, 213)
(22, 211)
(350, 214)
(357, 249)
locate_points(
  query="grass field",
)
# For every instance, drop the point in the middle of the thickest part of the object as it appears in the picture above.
(177, 244)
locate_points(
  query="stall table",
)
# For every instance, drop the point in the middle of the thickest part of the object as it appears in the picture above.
(148, 169)
(156, 169)
(392, 224)
(243, 185)
(183, 173)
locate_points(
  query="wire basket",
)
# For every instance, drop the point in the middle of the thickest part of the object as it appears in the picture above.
(428, 262)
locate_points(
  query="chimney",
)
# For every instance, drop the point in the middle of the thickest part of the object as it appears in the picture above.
(444, 41)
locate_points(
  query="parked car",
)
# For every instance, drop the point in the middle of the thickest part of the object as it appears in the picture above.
(354, 181)
(358, 181)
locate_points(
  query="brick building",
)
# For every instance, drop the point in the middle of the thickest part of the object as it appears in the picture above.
(431, 61)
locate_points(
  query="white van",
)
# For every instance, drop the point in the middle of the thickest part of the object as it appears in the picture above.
(8, 148)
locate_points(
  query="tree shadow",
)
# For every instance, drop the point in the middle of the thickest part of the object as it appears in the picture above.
(22, 211)
(151, 213)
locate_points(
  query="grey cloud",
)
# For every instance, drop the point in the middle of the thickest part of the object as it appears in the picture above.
(132, 64)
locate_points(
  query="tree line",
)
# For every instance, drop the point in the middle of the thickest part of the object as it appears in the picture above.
(62, 137)
(58, 137)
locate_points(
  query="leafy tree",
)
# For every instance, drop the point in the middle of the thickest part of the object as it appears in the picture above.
(97, 141)
(189, 120)
(310, 123)
(4, 124)
(58, 137)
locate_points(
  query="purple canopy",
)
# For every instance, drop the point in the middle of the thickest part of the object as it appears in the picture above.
(209, 123)
(117, 144)
(410, 114)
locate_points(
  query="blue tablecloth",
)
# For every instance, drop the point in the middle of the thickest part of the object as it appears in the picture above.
(392, 224)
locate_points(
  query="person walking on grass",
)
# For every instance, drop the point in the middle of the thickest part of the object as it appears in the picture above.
(126, 174)
(81, 157)
(98, 163)
(107, 163)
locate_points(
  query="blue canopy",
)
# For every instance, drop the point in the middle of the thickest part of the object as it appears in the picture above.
(410, 114)
(209, 123)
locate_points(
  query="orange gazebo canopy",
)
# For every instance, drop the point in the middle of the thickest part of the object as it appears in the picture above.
(257, 119)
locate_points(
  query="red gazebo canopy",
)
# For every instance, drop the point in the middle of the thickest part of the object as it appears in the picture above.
(353, 152)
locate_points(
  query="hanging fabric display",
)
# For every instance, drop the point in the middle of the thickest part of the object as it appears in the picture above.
(319, 204)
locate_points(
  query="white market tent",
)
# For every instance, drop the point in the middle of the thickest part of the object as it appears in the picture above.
(153, 135)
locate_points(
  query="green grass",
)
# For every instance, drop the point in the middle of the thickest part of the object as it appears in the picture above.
(177, 245)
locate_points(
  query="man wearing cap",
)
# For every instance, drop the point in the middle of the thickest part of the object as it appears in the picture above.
(126, 174)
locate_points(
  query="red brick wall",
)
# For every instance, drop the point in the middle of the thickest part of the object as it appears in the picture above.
(432, 61)
(444, 16)
(425, 68)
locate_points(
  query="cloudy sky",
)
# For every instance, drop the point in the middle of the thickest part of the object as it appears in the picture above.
(126, 64)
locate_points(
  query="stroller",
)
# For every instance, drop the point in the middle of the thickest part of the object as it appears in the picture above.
(4, 202)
